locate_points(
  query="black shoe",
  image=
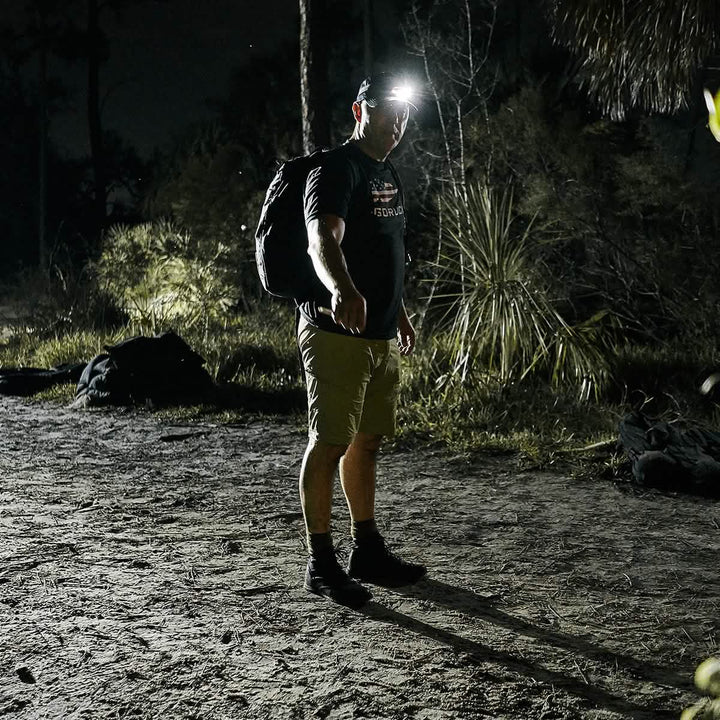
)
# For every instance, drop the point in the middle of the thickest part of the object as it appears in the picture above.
(325, 577)
(372, 561)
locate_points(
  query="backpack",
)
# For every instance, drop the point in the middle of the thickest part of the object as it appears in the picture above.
(669, 457)
(281, 243)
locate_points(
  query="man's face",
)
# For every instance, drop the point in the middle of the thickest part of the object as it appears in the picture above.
(385, 123)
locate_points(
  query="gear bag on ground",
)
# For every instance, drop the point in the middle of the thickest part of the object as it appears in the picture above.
(671, 456)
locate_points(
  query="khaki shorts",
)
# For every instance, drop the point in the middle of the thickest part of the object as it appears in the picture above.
(352, 384)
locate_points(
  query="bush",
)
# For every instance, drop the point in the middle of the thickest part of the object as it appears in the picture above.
(497, 307)
(211, 190)
(626, 213)
(159, 277)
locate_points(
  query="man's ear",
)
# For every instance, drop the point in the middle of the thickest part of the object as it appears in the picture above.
(357, 111)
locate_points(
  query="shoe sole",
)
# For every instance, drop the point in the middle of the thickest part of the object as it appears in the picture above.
(383, 582)
(353, 605)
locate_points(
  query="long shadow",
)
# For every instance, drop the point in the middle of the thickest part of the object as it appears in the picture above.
(468, 602)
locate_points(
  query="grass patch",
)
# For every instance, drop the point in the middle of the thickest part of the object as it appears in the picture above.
(30, 348)
(258, 347)
(666, 379)
(481, 413)
(253, 358)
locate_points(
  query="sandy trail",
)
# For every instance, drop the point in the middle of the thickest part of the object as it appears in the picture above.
(154, 571)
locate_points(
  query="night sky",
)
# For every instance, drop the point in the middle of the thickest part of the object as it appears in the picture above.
(166, 59)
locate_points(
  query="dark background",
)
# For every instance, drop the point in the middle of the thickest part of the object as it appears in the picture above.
(165, 61)
(173, 75)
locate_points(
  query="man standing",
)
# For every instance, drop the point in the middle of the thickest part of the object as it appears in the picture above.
(351, 335)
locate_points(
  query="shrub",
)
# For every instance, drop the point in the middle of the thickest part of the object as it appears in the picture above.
(211, 189)
(497, 310)
(159, 277)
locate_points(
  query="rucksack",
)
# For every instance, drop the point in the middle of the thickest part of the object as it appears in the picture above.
(281, 242)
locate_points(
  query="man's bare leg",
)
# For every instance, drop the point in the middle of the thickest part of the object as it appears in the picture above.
(323, 575)
(357, 475)
(370, 558)
(317, 477)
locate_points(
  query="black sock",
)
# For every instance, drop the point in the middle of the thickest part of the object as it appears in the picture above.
(365, 531)
(320, 543)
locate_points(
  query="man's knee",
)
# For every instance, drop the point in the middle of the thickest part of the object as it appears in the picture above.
(367, 443)
(329, 452)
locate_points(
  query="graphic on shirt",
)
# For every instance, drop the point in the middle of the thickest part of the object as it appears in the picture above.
(382, 192)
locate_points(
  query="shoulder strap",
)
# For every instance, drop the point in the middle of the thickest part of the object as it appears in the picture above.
(355, 167)
(398, 182)
(396, 177)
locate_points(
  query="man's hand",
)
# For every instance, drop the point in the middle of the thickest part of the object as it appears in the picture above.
(349, 309)
(405, 333)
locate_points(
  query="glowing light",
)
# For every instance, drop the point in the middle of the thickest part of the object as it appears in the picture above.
(402, 93)
(713, 106)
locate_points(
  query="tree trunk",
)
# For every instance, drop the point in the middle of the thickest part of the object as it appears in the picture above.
(313, 76)
(94, 123)
(42, 154)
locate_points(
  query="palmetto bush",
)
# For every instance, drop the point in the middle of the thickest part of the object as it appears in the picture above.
(638, 54)
(496, 306)
(160, 277)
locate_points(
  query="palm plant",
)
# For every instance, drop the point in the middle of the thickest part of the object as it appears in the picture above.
(497, 312)
(159, 276)
(638, 54)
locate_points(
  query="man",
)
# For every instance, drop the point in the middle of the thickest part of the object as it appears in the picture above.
(351, 336)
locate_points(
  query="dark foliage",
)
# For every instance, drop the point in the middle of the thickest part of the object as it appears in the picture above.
(18, 175)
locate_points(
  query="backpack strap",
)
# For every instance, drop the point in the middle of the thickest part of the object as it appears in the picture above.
(396, 177)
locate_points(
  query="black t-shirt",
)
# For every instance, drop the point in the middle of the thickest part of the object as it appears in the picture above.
(366, 194)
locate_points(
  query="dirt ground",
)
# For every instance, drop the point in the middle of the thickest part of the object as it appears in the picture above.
(154, 571)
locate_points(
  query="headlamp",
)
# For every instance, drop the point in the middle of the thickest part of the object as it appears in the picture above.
(402, 93)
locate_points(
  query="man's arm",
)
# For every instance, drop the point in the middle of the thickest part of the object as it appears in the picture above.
(406, 332)
(325, 235)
